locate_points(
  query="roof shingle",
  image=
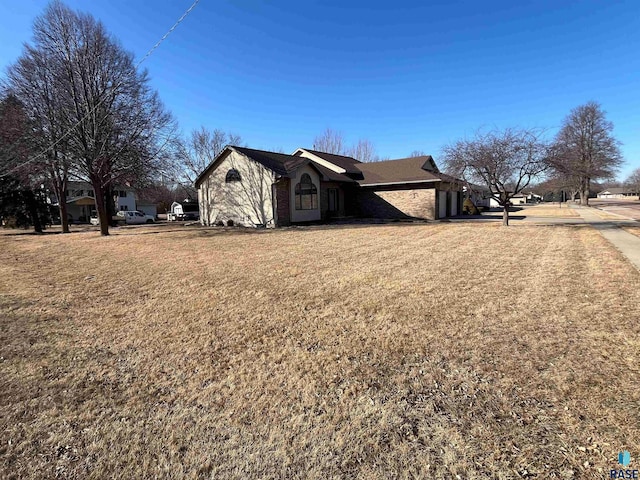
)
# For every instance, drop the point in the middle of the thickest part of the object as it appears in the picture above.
(350, 164)
(397, 171)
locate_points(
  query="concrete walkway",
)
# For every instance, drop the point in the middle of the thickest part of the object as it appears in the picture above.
(627, 243)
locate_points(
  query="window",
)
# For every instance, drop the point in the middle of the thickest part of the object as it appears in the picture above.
(90, 193)
(233, 175)
(306, 194)
(122, 193)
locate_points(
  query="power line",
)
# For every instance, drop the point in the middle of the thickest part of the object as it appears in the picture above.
(68, 132)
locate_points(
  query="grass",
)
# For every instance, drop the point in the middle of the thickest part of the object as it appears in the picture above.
(405, 351)
(633, 229)
(547, 210)
(604, 215)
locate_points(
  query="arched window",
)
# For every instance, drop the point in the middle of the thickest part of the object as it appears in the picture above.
(233, 175)
(306, 194)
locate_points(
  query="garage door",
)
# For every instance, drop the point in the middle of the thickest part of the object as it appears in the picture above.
(442, 204)
(454, 204)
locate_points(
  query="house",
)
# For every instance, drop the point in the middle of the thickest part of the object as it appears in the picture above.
(81, 201)
(260, 188)
(617, 192)
(478, 194)
(518, 199)
(148, 208)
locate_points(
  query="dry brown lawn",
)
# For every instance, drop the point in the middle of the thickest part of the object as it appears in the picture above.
(633, 229)
(604, 215)
(548, 210)
(404, 351)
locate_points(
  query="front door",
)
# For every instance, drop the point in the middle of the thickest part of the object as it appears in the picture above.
(333, 200)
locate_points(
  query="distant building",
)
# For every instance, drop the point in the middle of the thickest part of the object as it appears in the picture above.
(618, 192)
(81, 201)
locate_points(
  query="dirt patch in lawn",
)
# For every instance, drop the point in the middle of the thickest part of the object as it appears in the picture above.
(408, 351)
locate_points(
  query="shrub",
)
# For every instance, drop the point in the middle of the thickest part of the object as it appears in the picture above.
(229, 223)
(469, 208)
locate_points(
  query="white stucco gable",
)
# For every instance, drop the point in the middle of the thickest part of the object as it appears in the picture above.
(236, 188)
(300, 212)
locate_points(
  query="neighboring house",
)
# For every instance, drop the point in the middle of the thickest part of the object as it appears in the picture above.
(125, 198)
(148, 208)
(518, 199)
(531, 197)
(479, 195)
(618, 192)
(260, 188)
(81, 201)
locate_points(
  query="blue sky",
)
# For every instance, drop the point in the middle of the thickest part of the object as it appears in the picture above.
(406, 75)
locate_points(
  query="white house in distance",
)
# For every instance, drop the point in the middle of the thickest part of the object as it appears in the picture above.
(260, 188)
(618, 192)
(81, 201)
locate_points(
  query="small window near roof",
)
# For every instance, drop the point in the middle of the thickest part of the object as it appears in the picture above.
(233, 175)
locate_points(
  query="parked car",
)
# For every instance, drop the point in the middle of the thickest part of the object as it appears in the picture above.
(134, 217)
(130, 217)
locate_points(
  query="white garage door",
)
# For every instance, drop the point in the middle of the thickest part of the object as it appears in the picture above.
(454, 203)
(442, 204)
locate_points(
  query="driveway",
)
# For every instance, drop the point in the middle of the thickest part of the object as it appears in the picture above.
(626, 208)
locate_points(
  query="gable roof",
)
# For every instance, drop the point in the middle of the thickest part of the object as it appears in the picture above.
(340, 168)
(280, 163)
(349, 164)
(330, 175)
(403, 170)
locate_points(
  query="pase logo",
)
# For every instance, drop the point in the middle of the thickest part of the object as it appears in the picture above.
(624, 459)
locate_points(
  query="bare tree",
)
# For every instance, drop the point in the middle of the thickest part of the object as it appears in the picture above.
(330, 141)
(363, 151)
(633, 181)
(116, 125)
(503, 161)
(20, 194)
(34, 80)
(585, 148)
(417, 153)
(200, 149)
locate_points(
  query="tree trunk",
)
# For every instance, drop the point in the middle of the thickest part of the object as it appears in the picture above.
(584, 194)
(64, 217)
(32, 206)
(505, 216)
(101, 206)
(59, 185)
(111, 206)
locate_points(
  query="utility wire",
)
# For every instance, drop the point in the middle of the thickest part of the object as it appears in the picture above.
(68, 132)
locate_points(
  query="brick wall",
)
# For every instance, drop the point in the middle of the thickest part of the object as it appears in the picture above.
(283, 202)
(398, 203)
